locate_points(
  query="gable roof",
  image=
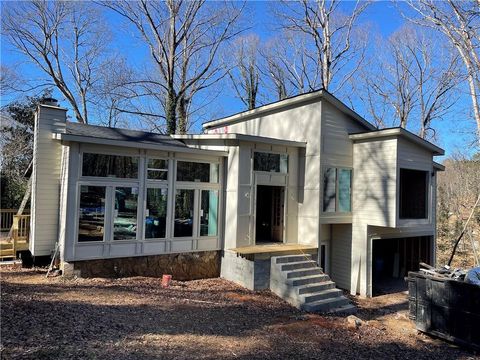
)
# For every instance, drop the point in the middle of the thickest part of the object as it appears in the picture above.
(295, 101)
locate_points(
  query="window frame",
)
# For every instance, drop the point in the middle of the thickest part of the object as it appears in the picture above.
(274, 153)
(337, 168)
(428, 196)
(167, 169)
(107, 178)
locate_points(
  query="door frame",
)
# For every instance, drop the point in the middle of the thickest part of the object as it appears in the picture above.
(254, 218)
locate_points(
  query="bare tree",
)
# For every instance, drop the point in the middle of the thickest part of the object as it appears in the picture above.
(183, 38)
(245, 74)
(411, 76)
(459, 21)
(65, 40)
(333, 48)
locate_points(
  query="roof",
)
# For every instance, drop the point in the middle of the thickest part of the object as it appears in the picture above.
(239, 137)
(297, 100)
(438, 166)
(101, 135)
(397, 131)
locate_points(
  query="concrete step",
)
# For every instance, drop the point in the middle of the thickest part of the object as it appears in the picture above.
(299, 265)
(326, 305)
(303, 272)
(321, 295)
(292, 258)
(319, 280)
(344, 310)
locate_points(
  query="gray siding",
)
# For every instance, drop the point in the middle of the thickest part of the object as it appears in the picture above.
(341, 250)
(47, 159)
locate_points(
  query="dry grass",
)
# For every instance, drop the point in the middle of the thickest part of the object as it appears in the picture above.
(134, 318)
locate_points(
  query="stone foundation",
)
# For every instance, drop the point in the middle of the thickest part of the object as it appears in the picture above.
(185, 266)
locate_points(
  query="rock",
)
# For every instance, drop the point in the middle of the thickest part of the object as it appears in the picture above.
(354, 322)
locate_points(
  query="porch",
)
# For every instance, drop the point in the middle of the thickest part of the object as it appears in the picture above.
(14, 233)
(266, 251)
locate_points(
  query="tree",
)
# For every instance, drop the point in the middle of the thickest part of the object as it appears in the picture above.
(459, 21)
(334, 49)
(184, 39)
(411, 75)
(16, 143)
(245, 76)
(67, 41)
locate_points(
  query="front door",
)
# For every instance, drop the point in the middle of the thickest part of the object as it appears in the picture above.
(269, 224)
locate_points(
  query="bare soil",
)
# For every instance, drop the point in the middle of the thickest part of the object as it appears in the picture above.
(135, 318)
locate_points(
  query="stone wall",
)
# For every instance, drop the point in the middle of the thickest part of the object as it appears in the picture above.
(185, 266)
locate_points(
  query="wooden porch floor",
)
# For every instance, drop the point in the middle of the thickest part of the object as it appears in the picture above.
(269, 250)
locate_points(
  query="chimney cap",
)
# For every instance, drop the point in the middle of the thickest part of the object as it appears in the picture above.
(50, 101)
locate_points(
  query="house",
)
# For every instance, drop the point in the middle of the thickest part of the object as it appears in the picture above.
(305, 176)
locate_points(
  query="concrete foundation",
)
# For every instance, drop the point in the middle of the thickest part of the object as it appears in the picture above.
(186, 266)
(252, 274)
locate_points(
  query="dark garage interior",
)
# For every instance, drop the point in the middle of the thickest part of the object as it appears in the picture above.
(392, 260)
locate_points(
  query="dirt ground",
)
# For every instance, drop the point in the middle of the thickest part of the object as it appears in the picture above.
(134, 318)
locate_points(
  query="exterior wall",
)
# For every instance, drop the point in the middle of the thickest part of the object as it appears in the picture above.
(341, 254)
(187, 266)
(252, 274)
(75, 251)
(374, 202)
(47, 160)
(301, 123)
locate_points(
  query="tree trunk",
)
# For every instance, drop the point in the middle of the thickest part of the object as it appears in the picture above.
(182, 116)
(171, 112)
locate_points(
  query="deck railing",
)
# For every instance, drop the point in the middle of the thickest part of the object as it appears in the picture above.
(21, 228)
(6, 219)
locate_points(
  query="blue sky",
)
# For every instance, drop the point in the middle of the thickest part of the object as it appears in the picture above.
(383, 16)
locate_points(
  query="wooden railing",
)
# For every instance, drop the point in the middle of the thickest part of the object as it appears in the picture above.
(6, 219)
(21, 228)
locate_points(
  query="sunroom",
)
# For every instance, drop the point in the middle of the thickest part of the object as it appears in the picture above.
(128, 193)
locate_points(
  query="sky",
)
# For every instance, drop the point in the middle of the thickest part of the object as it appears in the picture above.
(382, 15)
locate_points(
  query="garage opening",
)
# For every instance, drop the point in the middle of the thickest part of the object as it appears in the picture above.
(392, 260)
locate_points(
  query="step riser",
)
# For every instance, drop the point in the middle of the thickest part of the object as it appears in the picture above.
(298, 266)
(293, 258)
(314, 287)
(301, 273)
(323, 296)
(315, 280)
(326, 307)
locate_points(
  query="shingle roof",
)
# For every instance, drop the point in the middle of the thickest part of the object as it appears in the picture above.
(136, 136)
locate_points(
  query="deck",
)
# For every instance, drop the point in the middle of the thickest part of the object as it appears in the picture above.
(268, 250)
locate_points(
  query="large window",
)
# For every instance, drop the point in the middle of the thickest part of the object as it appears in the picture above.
(337, 190)
(413, 194)
(197, 172)
(116, 166)
(184, 206)
(209, 213)
(157, 169)
(91, 222)
(270, 162)
(125, 219)
(156, 213)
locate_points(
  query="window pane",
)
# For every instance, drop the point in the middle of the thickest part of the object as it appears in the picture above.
(413, 194)
(329, 190)
(183, 213)
(157, 169)
(125, 219)
(209, 213)
(156, 213)
(270, 162)
(197, 172)
(344, 190)
(91, 224)
(110, 166)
